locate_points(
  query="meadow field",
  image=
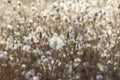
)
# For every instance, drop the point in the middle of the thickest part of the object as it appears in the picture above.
(59, 39)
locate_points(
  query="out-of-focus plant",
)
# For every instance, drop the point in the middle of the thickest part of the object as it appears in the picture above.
(59, 40)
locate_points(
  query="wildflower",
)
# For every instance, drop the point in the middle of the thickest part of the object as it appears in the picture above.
(3, 56)
(34, 36)
(26, 48)
(19, 3)
(102, 68)
(48, 53)
(9, 43)
(45, 61)
(30, 74)
(36, 52)
(17, 45)
(99, 77)
(10, 27)
(2, 41)
(70, 70)
(36, 78)
(26, 40)
(77, 60)
(55, 4)
(56, 42)
(39, 29)
(23, 66)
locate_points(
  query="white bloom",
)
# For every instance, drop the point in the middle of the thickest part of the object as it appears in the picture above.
(23, 66)
(103, 54)
(99, 77)
(48, 53)
(26, 39)
(55, 4)
(30, 20)
(26, 48)
(17, 33)
(2, 41)
(94, 2)
(70, 70)
(3, 56)
(45, 61)
(33, 35)
(102, 68)
(30, 74)
(5, 0)
(77, 60)
(33, 8)
(17, 45)
(72, 35)
(36, 78)
(35, 39)
(9, 46)
(103, 40)
(39, 29)
(9, 43)
(36, 52)
(56, 42)
(10, 27)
